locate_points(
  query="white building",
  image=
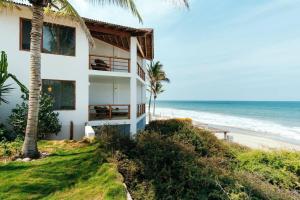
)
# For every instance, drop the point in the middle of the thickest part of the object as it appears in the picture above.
(100, 85)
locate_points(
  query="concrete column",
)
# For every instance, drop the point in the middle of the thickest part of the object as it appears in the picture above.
(133, 85)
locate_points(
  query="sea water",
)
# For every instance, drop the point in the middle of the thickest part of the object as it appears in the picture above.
(280, 120)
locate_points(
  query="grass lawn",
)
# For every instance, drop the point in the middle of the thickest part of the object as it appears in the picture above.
(73, 171)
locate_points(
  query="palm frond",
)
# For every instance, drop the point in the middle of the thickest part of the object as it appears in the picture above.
(22, 87)
(8, 4)
(4, 90)
(126, 4)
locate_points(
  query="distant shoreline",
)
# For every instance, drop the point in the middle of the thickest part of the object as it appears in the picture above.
(252, 139)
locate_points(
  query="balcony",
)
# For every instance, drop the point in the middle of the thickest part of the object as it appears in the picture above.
(109, 112)
(141, 72)
(108, 63)
(141, 109)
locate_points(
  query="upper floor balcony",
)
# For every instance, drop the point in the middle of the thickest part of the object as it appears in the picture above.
(114, 64)
(109, 63)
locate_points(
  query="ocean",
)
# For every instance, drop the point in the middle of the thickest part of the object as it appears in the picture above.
(275, 119)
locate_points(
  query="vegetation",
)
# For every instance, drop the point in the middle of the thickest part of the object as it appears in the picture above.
(156, 76)
(174, 160)
(4, 77)
(171, 159)
(48, 119)
(74, 170)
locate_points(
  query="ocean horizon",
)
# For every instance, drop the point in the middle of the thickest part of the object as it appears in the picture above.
(274, 119)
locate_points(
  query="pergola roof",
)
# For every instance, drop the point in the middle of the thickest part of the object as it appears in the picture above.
(119, 36)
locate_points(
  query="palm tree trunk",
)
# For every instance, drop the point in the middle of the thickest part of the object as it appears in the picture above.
(154, 102)
(149, 107)
(30, 143)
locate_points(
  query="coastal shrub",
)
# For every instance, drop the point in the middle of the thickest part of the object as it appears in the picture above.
(48, 119)
(169, 126)
(173, 160)
(279, 168)
(112, 139)
(11, 148)
(6, 134)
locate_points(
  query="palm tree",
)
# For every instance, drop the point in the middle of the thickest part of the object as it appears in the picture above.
(158, 89)
(4, 76)
(59, 8)
(156, 75)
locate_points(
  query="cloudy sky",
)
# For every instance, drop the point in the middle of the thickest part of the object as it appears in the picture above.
(221, 49)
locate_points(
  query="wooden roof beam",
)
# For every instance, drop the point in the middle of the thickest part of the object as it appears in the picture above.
(140, 49)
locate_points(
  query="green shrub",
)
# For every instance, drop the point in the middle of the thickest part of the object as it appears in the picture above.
(113, 139)
(11, 148)
(278, 168)
(169, 126)
(48, 119)
(174, 160)
(5, 134)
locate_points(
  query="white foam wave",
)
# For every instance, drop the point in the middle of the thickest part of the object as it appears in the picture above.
(259, 126)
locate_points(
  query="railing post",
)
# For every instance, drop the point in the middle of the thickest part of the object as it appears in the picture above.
(110, 112)
(128, 65)
(110, 64)
(128, 111)
(89, 62)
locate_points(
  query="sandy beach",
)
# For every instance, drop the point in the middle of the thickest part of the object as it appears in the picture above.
(247, 138)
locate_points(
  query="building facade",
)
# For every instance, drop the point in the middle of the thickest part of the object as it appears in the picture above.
(95, 85)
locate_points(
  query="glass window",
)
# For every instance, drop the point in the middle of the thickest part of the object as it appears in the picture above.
(25, 34)
(63, 93)
(56, 39)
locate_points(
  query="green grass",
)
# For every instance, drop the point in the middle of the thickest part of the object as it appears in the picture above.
(73, 171)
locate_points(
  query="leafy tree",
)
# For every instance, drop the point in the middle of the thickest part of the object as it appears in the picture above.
(4, 76)
(48, 119)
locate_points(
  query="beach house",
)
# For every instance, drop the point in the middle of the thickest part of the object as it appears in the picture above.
(95, 85)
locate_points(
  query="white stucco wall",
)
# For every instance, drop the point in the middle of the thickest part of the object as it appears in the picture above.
(109, 91)
(105, 49)
(53, 67)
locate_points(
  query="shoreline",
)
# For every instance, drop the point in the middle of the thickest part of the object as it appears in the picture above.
(251, 139)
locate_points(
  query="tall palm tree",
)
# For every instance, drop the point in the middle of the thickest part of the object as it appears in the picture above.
(4, 76)
(156, 74)
(158, 89)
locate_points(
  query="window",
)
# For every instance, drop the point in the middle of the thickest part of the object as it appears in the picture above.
(63, 93)
(56, 39)
(25, 34)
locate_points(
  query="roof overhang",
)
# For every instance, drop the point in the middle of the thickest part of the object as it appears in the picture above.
(119, 36)
(116, 35)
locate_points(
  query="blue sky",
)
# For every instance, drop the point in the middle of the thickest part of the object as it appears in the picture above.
(221, 49)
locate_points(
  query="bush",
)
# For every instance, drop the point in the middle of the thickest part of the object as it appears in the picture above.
(48, 119)
(174, 160)
(11, 148)
(112, 139)
(167, 127)
(5, 134)
(278, 168)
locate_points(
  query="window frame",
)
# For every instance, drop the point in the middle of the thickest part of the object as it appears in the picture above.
(69, 81)
(21, 38)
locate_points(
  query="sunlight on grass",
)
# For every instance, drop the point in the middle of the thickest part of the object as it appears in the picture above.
(73, 171)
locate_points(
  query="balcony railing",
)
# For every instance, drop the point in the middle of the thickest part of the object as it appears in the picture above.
(141, 109)
(109, 112)
(107, 63)
(141, 72)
